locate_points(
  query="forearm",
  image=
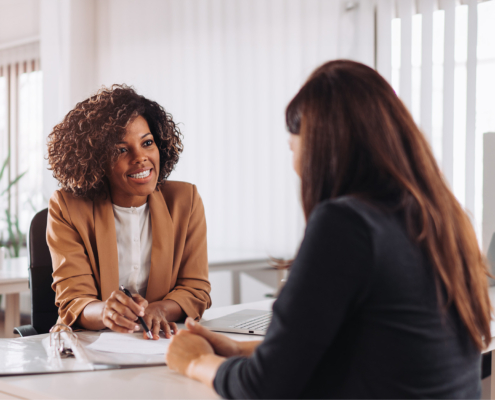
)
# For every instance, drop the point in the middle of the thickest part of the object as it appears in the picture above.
(172, 310)
(204, 368)
(246, 349)
(91, 317)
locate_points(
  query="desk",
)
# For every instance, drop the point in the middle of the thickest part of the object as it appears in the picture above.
(14, 279)
(132, 383)
(136, 383)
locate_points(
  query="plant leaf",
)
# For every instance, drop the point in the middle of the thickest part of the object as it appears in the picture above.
(4, 166)
(18, 242)
(13, 183)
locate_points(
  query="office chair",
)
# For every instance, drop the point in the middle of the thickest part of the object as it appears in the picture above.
(44, 313)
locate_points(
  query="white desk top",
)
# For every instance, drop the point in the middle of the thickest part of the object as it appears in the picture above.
(132, 383)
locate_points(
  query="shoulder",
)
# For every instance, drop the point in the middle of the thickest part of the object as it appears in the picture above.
(64, 203)
(180, 195)
(340, 224)
(340, 210)
(61, 198)
(350, 210)
(178, 189)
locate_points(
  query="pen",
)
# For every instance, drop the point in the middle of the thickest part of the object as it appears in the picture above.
(141, 320)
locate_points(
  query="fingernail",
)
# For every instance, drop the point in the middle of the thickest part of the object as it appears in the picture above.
(141, 314)
(130, 331)
(136, 328)
(192, 322)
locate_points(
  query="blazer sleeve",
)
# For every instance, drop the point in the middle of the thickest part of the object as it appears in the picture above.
(73, 279)
(192, 289)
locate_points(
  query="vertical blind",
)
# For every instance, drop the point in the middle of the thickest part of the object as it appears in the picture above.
(430, 51)
(226, 71)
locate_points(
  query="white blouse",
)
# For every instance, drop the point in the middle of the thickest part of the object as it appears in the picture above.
(133, 227)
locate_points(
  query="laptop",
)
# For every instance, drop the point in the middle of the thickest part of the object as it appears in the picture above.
(253, 322)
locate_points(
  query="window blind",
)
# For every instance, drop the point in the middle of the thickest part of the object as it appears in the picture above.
(20, 131)
(428, 50)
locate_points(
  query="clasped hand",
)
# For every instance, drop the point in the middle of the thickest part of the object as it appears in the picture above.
(120, 314)
(197, 352)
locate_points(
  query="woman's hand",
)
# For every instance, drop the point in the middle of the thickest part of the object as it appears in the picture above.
(222, 345)
(192, 355)
(184, 349)
(156, 318)
(120, 313)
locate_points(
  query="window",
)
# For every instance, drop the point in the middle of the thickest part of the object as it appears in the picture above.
(21, 141)
(442, 65)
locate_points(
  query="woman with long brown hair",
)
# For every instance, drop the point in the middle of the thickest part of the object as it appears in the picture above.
(388, 295)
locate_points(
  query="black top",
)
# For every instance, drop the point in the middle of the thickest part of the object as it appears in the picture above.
(357, 318)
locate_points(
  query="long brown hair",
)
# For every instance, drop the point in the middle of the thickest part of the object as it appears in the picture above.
(358, 138)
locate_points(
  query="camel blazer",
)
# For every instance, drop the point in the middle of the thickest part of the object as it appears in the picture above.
(83, 245)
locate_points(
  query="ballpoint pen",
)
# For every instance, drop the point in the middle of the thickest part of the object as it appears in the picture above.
(141, 320)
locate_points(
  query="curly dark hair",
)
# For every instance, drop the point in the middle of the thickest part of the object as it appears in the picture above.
(82, 148)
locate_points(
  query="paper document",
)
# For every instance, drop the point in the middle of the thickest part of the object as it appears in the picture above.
(130, 343)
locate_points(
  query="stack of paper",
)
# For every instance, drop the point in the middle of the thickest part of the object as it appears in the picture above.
(113, 342)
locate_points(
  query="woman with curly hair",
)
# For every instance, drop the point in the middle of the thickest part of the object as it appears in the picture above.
(117, 221)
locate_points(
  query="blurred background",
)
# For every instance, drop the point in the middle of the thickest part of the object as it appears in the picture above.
(226, 69)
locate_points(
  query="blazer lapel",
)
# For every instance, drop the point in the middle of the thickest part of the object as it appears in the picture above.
(106, 243)
(162, 248)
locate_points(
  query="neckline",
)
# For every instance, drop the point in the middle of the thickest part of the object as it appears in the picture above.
(129, 209)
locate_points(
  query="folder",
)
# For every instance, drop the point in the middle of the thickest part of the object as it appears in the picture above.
(63, 350)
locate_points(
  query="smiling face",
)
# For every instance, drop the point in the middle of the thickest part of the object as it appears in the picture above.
(135, 174)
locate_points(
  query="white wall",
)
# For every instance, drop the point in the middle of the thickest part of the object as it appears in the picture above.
(68, 62)
(19, 20)
(226, 70)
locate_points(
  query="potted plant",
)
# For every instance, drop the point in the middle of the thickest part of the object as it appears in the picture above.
(15, 238)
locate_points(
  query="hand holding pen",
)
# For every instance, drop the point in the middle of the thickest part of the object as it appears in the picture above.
(121, 313)
(140, 318)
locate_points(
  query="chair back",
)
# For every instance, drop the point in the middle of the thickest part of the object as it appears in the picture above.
(44, 313)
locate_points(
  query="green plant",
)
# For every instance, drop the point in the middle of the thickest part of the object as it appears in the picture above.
(15, 238)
